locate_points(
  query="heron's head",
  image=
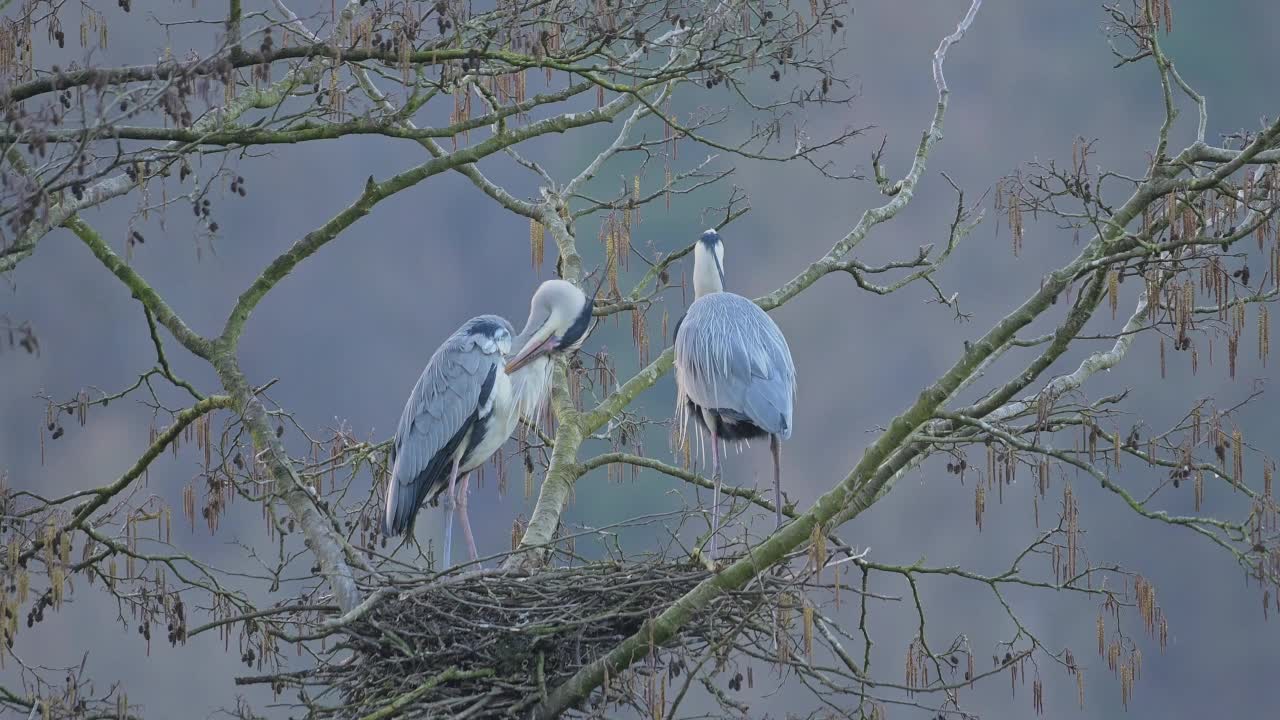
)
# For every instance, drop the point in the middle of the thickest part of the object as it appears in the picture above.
(708, 264)
(559, 318)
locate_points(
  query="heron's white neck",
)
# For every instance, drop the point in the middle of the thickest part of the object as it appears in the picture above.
(706, 271)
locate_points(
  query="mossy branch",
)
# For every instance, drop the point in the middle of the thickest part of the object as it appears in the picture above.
(218, 64)
(323, 539)
(143, 291)
(301, 132)
(562, 473)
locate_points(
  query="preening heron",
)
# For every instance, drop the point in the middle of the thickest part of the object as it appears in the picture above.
(734, 373)
(470, 398)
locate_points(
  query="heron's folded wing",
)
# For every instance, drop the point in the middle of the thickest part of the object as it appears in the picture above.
(770, 394)
(442, 408)
(735, 359)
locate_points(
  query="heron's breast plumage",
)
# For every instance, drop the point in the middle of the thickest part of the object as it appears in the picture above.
(531, 385)
(493, 424)
(521, 394)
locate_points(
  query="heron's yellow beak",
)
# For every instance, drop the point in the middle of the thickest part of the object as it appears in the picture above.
(531, 351)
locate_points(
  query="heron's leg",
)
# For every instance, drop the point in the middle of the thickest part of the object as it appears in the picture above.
(451, 501)
(466, 520)
(715, 493)
(775, 447)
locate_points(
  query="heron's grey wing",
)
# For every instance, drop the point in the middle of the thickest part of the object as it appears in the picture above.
(442, 408)
(733, 358)
(770, 395)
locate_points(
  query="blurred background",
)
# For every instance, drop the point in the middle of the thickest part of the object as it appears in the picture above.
(349, 332)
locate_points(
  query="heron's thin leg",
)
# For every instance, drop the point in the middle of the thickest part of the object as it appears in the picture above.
(451, 500)
(466, 520)
(715, 494)
(776, 448)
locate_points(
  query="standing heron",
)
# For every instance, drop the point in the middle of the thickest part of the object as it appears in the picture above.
(470, 397)
(734, 373)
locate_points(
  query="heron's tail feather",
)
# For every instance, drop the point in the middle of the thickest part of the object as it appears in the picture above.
(393, 520)
(402, 504)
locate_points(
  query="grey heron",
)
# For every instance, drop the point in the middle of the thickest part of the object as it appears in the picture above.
(734, 373)
(470, 398)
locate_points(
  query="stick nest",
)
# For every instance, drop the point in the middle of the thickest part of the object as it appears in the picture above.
(494, 645)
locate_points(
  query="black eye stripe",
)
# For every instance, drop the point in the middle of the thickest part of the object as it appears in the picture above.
(578, 329)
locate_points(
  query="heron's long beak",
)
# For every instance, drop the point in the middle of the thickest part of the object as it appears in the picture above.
(538, 345)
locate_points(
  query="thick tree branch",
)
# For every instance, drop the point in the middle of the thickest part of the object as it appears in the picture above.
(323, 538)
